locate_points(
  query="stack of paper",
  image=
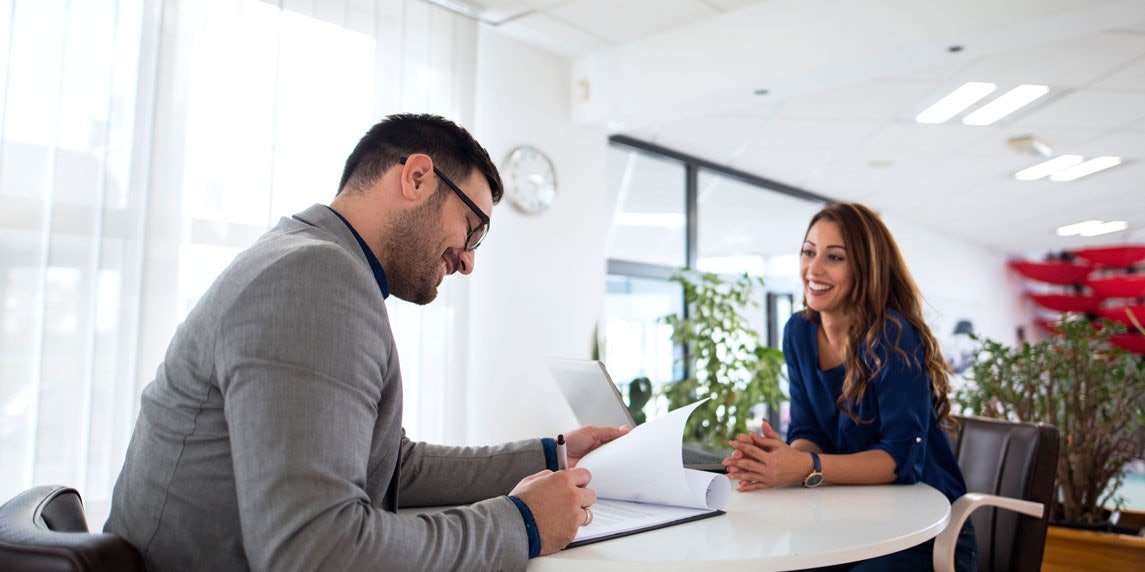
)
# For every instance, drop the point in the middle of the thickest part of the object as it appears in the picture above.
(641, 483)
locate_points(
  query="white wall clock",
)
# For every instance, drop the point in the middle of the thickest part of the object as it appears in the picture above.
(530, 181)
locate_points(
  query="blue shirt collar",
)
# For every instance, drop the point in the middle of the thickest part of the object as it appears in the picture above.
(375, 266)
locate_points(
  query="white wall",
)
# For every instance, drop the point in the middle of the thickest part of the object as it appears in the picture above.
(538, 286)
(960, 280)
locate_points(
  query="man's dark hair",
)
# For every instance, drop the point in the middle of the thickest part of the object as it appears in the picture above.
(453, 150)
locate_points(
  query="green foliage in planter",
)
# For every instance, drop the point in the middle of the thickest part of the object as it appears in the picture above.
(727, 361)
(1093, 392)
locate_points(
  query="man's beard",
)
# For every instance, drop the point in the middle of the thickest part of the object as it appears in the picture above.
(414, 259)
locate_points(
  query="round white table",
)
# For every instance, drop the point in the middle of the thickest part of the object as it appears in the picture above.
(775, 529)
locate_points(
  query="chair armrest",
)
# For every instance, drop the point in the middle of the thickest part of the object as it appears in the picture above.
(944, 543)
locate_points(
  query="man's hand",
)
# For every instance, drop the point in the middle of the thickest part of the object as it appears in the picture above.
(585, 439)
(559, 504)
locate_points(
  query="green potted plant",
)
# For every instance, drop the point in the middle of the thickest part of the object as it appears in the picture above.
(726, 361)
(1092, 391)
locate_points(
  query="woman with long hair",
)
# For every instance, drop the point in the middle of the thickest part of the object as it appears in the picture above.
(868, 382)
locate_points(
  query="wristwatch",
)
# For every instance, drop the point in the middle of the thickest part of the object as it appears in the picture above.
(816, 477)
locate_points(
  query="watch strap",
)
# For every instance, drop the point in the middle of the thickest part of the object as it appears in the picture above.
(815, 477)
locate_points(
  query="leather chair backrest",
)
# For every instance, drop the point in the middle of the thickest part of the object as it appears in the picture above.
(1017, 460)
(44, 529)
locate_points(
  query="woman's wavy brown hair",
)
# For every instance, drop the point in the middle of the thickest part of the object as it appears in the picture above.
(879, 281)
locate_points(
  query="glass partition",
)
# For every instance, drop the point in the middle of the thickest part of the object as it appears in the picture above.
(635, 341)
(647, 197)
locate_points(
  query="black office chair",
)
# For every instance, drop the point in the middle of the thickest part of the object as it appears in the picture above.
(44, 529)
(1006, 465)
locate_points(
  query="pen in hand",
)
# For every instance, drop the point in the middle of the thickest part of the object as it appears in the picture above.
(562, 456)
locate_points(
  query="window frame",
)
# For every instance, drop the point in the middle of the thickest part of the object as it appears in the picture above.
(692, 167)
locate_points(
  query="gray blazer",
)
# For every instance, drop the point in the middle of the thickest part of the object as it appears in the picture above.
(271, 436)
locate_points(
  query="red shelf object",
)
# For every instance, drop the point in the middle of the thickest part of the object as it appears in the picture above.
(1118, 313)
(1124, 286)
(1131, 342)
(1113, 256)
(1053, 272)
(1053, 326)
(1066, 302)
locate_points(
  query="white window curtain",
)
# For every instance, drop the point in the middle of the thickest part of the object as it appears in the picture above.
(144, 143)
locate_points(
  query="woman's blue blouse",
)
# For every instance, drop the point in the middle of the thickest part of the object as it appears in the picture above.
(897, 402)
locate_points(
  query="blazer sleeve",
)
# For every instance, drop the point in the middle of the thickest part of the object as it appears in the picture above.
(434, 475)
(301, 375)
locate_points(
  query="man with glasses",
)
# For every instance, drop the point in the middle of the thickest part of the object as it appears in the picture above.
(271, 436)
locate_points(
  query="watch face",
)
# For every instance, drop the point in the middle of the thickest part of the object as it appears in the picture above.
(530, 182)
(813, 480)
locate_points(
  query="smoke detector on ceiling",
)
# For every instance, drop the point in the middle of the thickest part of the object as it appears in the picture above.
(1030, 145)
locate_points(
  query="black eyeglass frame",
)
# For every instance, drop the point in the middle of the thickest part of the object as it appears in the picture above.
(483, 228)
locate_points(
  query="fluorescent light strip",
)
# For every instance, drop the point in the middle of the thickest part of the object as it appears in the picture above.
(1106, 228)
(1047, 167)
(1077, 227)
(1005, 104)
(956, 102)
(1087, 168)
(1092, 228)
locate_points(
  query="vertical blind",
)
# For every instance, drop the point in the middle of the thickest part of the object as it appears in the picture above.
(144, 143)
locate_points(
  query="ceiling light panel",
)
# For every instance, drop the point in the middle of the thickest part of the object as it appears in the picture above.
(1006, 104)
(956, 102)
(1047, 168)
(1092, 228)
(1106, 228)
(1078, 227)
(1087, 168)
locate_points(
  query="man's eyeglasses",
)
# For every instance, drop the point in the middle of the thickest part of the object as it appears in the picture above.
(476, 235)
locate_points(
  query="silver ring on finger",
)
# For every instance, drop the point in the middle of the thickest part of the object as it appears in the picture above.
(587, 516)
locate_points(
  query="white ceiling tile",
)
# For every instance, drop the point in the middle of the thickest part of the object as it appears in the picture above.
(1093, 108)
(1131, 76)
(881, 99)
(716, 137)
(499, 11)
(551, 34)
(934, 73)
(915, 137)
(1125, 143)
(730, 5)
(828, 136)
(879, 165)
(854, 174)
(1076, 61)
(790, 166)
(632, 19)
(973, 169)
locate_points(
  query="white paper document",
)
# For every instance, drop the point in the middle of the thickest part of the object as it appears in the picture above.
(641, 483)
